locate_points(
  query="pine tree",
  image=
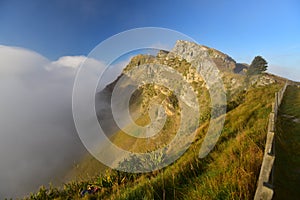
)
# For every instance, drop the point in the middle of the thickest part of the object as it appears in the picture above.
(258, 65)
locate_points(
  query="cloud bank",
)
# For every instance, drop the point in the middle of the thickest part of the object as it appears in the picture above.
(38, 140)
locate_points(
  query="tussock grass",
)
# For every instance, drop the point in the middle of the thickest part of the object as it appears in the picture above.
(230, 171)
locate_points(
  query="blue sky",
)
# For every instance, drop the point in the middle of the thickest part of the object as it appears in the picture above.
(56, 36)
(241, 29)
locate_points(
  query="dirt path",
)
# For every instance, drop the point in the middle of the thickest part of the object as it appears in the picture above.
(287, 147)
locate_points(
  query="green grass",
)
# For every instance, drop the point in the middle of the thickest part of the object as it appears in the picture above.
(287, 161)
(230, 171)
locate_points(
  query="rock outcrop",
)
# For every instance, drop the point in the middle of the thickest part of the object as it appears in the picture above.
(188, 49)
(183, 58)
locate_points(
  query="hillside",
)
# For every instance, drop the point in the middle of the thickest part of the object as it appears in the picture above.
(235, 83)
(231, 169)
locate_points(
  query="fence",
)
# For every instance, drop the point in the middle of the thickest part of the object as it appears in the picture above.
(264, 189)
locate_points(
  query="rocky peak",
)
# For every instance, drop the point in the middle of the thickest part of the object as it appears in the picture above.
(188, 49)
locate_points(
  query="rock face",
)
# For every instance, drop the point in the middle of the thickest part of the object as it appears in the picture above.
(241, 68)
(265, 80)
(211, 67)
(188, 49)
(185, 52)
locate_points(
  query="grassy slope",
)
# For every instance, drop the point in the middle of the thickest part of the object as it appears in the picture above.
(287, 162)
(230, 171)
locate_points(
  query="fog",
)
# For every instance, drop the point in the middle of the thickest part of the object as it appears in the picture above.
(38, 140)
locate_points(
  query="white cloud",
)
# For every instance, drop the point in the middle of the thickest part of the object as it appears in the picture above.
(38, 139)
(69, 61)
(12, 60)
